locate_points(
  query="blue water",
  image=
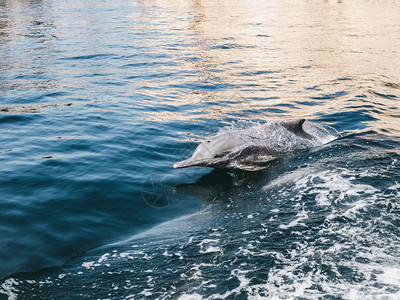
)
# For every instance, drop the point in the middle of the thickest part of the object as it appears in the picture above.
(98, 99)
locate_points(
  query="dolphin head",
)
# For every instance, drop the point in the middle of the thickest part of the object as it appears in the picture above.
(212, 152)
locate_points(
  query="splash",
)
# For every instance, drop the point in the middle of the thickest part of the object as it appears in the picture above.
(321, 134)
(277, 138)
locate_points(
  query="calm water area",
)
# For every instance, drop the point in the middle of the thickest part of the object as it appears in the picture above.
(98, 100)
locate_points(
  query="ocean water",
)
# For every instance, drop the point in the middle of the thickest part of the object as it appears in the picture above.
(99, 99)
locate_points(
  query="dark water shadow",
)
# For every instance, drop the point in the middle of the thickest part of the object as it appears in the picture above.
(216, 186)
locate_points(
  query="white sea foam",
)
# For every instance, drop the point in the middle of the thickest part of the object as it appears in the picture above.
(289, 177)
(302, 215)
(209, 246)
(286, 282)
(329, 186)
(377, 266)
(193, 296)
(9, 289)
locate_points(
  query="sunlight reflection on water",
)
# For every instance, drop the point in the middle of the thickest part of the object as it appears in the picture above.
(284, 60)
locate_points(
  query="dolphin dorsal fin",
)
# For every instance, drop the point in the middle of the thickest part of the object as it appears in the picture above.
(296, 127)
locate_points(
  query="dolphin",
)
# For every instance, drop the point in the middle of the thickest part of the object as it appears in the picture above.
(249, 148)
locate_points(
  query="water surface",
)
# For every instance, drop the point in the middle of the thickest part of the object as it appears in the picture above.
(99, 99)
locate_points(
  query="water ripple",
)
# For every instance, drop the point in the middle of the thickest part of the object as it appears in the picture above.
(98, 99)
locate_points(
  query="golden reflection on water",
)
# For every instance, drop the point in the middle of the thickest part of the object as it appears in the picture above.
(21, 21)
(313, 58)
(232, 59)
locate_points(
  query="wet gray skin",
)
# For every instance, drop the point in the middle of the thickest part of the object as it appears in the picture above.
(239, 148)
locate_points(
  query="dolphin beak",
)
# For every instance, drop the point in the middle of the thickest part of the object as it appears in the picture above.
(184, 163)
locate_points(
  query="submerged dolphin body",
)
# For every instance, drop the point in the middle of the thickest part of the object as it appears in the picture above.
(249, 148)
